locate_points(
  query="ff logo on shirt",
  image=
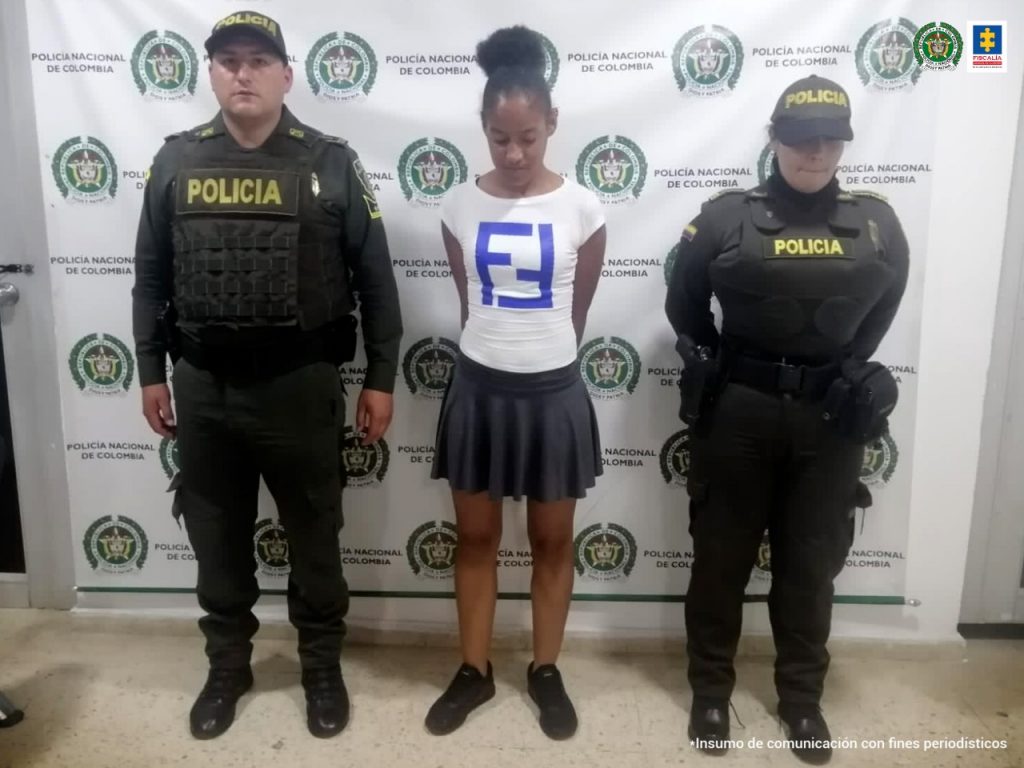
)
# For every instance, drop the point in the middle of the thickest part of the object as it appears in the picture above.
(487, 258)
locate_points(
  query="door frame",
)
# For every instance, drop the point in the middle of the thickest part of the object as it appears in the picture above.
(30, 351)
(995, 557)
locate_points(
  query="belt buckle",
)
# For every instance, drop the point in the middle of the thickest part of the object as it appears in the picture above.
(789, 378)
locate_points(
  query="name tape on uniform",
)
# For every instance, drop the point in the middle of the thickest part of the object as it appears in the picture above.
(808, 247)
(223, 190)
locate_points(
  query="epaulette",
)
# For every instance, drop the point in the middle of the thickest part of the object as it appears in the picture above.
(173, 136)
(724, 192)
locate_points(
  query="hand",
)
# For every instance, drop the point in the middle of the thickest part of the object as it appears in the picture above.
(156, 407)
(373, 414)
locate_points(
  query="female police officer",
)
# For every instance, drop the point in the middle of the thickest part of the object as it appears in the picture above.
(809, 279)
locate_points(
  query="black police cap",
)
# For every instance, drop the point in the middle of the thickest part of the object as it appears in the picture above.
(251, 24)
(812, 107)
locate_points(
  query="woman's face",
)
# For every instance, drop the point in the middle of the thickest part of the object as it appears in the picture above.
(809, 166)
(517, 130)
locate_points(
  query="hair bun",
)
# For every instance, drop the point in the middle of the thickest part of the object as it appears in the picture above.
(511, 47)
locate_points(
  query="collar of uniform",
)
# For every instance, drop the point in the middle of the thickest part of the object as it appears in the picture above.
(763, 210)
(290, 126)
(844, 214)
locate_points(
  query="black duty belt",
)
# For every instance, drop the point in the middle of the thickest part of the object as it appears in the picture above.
(258, 362)
(778, 377)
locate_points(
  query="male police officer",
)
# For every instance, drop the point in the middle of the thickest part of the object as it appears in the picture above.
(255, 232)
(809, 279)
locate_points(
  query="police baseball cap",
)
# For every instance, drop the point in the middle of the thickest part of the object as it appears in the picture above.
(812, 107)
(249, 24)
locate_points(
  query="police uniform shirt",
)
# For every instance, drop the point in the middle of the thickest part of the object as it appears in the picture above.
(802, 238)
(520, 258)
(341, 188)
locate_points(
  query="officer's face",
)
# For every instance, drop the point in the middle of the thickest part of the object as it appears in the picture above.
(809, 166)
(517, 131)
(249, 79)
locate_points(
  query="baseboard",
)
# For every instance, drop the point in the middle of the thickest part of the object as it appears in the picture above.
(991, 631)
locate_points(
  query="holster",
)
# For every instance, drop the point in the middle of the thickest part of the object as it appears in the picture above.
(167, 321)
(860, 400)
(698, 384)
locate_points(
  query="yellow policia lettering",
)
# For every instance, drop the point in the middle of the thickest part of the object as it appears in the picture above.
(231, 191)
(248, 18)
(809, 246)
(820, 96)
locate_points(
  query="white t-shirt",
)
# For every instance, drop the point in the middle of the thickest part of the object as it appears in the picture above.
(520, 257)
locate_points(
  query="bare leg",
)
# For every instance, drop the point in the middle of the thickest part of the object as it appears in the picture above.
(478, 519)
(549, 525)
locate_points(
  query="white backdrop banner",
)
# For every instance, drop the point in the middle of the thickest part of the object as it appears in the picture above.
(659, 109)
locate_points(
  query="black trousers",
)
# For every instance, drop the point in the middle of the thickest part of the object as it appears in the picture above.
(285, 429)
(766, 461)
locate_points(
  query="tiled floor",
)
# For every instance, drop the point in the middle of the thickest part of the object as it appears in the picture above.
(103, 692)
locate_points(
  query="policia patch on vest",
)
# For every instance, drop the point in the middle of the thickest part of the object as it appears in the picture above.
(808, 248)
(230, 190)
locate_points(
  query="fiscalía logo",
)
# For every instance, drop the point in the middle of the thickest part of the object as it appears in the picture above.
(364, 465)
(610, 367)
(428, 168)
(885, 55)
(605, 552)
(102, 363)
(938, 45)
(987, 53)
(765, 164)
(431, 549)
(880, 459)
(551, 63)
(115, 544)
(165, 66)
(675, 458)
(614, 168)
(707, 61)
(670, 262)
(428, 366)
(85, 170)
(341, 66)
(270, 548)
(169, 459)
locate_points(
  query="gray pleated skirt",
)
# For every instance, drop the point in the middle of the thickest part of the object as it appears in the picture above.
(517, 434)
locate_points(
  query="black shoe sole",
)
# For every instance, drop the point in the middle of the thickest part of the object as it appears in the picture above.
(555, 735)
(713, 751)
(456, 724)
(12, 719)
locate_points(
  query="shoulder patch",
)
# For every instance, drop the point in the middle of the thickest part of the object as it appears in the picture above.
(868, 193)
(689, 232)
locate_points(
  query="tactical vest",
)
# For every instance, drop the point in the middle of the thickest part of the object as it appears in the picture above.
(800, 290)
(253, 246)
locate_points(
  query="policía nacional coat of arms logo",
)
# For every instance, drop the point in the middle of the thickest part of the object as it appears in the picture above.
(610, 367)
(85, 170)
(428, 169)
(428, 365)
(605, 552)
(115, 544)
(551, 63)
(885, 55)
(165, 66)
(880, 459)
(101, 363)
(938, 45)
(614, 168)
(270, 548)
(675, 458)
(341, 66)
(431, 550)
(707, 61)
(364, 465)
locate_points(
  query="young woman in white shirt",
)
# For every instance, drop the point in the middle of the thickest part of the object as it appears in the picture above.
(525, 248)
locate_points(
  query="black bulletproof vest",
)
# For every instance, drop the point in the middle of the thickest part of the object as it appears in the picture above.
(253, 246)
(800, 290)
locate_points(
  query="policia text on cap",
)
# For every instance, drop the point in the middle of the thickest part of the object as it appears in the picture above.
(781, 402)
(256, 232)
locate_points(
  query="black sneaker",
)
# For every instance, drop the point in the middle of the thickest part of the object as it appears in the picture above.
(467, 691)
(807, 732)
(557, 715)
